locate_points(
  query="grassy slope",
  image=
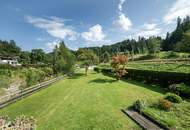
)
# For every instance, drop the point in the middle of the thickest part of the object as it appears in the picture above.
(177, 118)
(157, 66)
(83, 103)
(171, 67)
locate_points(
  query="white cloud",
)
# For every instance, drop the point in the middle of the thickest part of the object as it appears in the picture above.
(120, 6)
(180, 8)
(148, 29)
(54, 26)
(149, 26)
(124, 22)
(95, 34)
(51, 45)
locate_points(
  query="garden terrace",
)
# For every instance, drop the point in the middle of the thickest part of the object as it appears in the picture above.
(84, 102)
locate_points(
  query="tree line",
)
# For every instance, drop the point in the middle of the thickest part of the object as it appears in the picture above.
(61, 59)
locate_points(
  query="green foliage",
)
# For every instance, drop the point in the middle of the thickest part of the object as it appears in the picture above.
(9, 48)
(63, 59)
(33, 76)
(48, 71)
(154, 44)
(97, 69)
(145, 57)
(25, 57)
(161, 66)
(176, 119)
(24, 77)
(173, 98)
(105, 57)
(180, 89)
(87, 58)
(176, 40)
(162, 78)
(184, 44)
(130, 47)
(37, 56)
(165, 104)
(139, 105)
(4, 81)
(175, 88)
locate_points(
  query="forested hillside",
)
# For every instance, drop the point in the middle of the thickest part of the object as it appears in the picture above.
(178, 40)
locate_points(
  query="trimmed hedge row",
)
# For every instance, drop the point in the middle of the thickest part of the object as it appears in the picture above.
(161, 78)
(158, 77)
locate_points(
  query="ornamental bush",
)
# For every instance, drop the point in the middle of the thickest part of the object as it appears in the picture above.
(165, 104)
(118, 64)
(173, 98)
(139, 105)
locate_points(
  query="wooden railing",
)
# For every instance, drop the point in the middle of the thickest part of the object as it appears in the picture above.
(19, 94)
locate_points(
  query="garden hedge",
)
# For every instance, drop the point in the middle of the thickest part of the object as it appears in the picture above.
(161, 78)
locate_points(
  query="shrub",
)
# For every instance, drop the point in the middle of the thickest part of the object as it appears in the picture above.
(139, 105)
(185, 90)
(97, 69)
(175, 88)
(162, 78)
(165, 104)
(173, 98)
(180, 89)
(33, 76)
(48, 71)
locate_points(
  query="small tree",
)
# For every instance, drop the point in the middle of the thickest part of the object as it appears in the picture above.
(87, 58)
(119, 63)
(63, 60)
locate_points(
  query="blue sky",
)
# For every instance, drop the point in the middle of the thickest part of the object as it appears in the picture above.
(80, 23)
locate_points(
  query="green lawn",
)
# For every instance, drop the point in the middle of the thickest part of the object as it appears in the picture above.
(92, 102)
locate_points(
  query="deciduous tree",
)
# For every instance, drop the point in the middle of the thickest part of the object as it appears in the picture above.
(119, 63)
(87, 58)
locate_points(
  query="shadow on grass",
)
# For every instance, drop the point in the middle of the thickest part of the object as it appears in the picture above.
(76, 75)
(99, 80)
(154, 88)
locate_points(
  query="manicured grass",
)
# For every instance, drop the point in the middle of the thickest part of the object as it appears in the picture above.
(170, 67)
(157, 66)
(178, 118)
(84, 103)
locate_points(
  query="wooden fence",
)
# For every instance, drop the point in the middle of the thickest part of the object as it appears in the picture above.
(19, 94)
